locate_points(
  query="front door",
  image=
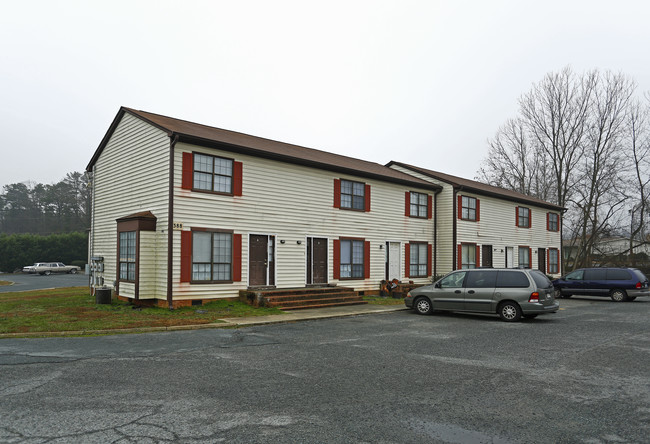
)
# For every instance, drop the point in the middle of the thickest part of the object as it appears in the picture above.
(510, 256)
(487, 256)
(316, 260)
(261, 267)
(541, 260)
(393, 260)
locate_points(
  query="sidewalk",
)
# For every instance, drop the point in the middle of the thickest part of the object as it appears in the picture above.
(293, 316)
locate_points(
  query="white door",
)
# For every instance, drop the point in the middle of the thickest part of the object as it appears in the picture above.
(393, 268)
(510, 256)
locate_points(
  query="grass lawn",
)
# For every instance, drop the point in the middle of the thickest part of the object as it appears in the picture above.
(73, 309)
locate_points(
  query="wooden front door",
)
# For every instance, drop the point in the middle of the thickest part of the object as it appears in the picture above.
(261, 266)
(487, 256)
(317, 260)
(541, 260)
(393, 261)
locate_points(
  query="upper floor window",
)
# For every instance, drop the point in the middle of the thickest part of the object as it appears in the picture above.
(468, 208)
(351, 195)
(213, 173)
(127, 255)
(419, 204)
(523, 217)
(553, 221)
(212, 254)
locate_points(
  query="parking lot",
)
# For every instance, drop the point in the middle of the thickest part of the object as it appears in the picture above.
(25, 281)
(580, 375)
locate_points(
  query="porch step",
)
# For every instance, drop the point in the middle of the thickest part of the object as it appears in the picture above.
(296, 298)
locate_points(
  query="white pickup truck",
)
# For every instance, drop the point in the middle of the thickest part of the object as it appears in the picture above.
(48, 268)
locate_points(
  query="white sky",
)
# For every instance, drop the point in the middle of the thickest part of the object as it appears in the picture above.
(422, 82)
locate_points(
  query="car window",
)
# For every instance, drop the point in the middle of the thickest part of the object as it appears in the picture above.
(575, 275)
(615, 274)
(454, 280)
(639, 274)
(595, 274)
(481, 279)
(512, 279)
(540, 279)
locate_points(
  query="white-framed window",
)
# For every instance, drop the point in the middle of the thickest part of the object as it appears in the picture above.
(553, 222)
(553, 261)
(352, 260)
(468, 256)
(418, 259)
(419, 205)
(468, 208)
(523, 217)
(212, 173)
(127, 255)
(353, 195)
(524, 257)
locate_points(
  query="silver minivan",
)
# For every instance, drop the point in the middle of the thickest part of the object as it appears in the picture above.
(510, 293)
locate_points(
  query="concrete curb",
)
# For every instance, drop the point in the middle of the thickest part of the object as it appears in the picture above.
(295, 316)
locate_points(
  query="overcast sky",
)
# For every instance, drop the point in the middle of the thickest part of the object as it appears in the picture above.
(421, 82)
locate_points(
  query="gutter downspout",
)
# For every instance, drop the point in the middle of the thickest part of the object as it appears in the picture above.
(561, 253)
(454, 218)
(170, 222)
(435, 233)
(91, 235)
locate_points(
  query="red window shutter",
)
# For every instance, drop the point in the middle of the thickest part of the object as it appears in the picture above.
(367, 198)
(429, 259)
(459, 259)
(478, 255)
(236, 257)
(337, 259)
(548, 261)
(530, 218)
(407, 205)
(366, 259)
(460, 206)
(186, 256)
(188, 171)
(407, 260)
(429, 207)
(478, 210)
(530, 257)
(516, 216)
(237, 179)
(337, 193)
(548, 216)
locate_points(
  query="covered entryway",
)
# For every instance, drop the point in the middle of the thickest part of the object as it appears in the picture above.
(393, 260)
(316, 260)
(261, 260)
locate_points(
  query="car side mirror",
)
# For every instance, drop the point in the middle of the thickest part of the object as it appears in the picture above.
(438, 285)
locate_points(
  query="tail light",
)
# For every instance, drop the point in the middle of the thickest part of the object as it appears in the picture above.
(638, 285)
(534, 297)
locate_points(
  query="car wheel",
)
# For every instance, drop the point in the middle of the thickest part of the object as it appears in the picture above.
(509, 311)
(47, 273)
(423, 306)
(73, 271)
(618, 295)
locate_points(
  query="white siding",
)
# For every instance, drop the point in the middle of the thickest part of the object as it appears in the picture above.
(292, 202)
(132, 175)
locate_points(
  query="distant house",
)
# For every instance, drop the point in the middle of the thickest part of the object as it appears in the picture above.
(184, 212)
(479, 225)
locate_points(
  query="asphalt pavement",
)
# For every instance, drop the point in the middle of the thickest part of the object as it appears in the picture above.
(27, 282)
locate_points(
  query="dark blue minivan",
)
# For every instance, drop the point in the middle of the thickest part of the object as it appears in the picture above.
(620, 284)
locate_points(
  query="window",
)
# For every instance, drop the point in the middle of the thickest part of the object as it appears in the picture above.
(523, 217)
(212, 255)
(127, 255)
(614, 274)
(468, 256)
(481, 279)
(419, 205)
(454, 280)
(553, 261)
(353, 195)
(595, 274)
(468, 208)
(352, 264)
(553, 222)
(213, 173)
(575, 275)
(512, 279)
(524, 257)
(418, 259)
